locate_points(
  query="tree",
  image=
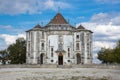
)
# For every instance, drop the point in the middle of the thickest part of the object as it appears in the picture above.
(105, 55)
(110, 55)
(117, 52)
(3, 56)
(17, 52)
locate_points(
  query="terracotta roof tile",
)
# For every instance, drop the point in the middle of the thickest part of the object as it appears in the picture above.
(80, 27)
(37, 26)
(58, 19)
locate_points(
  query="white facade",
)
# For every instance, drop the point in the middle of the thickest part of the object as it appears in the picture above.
(59, 43)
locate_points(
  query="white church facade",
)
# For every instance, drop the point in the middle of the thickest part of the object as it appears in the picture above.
(59, 43)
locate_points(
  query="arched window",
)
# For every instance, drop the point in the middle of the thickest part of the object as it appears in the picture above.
(42, 46)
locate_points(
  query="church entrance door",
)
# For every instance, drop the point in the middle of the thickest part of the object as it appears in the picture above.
(60, 59)
(41, 58)
(78, 58)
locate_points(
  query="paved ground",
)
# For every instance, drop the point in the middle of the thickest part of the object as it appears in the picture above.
(58, 74)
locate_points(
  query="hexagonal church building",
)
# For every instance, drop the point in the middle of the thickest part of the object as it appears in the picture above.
(59, 43)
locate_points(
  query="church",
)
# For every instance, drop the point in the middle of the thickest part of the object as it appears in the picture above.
(59, 43)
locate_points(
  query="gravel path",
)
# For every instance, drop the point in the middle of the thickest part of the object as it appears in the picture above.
(59, 74)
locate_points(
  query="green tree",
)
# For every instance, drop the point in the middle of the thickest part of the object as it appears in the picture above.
(17, 52)
(105, 55)
(3, 56)
(110, 55)
(117, 52)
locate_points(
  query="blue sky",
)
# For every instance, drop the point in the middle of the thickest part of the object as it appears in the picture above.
(100, 16)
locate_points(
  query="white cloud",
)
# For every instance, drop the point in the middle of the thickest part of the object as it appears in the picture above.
(29, 6)
(116, 20)
(104, 35)
(101, 18)
(108, 1)
(8, 29)
(99, 44)
(10, 39)
(106, 18)
(9, 34)
(5, 27)
(106, 28)
(51, 4)
(102, 29)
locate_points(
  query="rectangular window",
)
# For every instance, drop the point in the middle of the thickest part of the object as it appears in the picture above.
(68, 49)
(42, 46)
(51, 52)
(28, 47)
(68, 52)
(77, 36)
(42, 35)
(51, 49)
(77, 46)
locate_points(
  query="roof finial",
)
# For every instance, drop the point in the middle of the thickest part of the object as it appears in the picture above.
(58, 9)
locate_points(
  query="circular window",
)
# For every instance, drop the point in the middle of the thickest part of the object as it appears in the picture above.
(52, 60)
(68, 60)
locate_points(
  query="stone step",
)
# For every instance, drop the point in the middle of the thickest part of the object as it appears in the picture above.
(64, 66)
